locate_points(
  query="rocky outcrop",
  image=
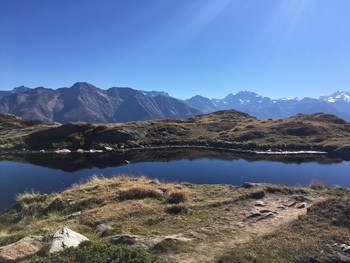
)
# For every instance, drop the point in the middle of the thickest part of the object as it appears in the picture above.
(25, 247)
(343, 247)
(144, 241)
(85, 102)
(65, 238)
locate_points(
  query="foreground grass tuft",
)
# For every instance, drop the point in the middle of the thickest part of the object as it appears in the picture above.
(177, 197)
(176, 209)
(169, 246)
(139, 193)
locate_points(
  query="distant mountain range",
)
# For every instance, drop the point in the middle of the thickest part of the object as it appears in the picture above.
(87, 103)
(261, 107)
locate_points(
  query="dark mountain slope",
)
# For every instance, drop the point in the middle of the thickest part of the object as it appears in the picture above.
(172, 107)
(134, 105)
(87, 103)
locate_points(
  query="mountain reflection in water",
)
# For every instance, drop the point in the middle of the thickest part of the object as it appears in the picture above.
(47, 173)
(78, 161)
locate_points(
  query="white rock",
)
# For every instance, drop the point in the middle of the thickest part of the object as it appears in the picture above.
(95, 151)
(64, 238)
(106, 148)
(63, 151)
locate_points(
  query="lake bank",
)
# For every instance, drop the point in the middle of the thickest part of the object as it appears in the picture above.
(198, 218)
(48, 172)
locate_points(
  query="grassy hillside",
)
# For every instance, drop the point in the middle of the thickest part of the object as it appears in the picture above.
(226, 129)
(14, 130)
(191, 223)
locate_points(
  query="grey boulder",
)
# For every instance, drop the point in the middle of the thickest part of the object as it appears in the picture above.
(65, 238)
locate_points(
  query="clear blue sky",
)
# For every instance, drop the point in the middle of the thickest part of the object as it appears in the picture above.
(278, 48)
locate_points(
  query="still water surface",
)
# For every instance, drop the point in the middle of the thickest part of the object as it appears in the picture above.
(51, 173)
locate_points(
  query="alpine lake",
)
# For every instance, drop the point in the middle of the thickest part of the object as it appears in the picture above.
(49, 172)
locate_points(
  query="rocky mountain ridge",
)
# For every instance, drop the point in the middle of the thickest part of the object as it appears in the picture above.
(262, 107)
(87, 103)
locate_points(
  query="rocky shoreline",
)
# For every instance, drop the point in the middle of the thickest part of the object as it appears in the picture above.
(123, 150)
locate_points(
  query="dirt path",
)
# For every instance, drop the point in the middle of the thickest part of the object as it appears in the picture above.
(256, 219)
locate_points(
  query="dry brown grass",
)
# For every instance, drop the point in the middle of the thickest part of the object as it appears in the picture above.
(308, 239)
(210, 215)
(177, 197)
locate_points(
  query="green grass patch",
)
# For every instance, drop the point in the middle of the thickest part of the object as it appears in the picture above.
(89, 252)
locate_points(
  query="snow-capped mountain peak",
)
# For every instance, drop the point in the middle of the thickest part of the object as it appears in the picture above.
(339, 96)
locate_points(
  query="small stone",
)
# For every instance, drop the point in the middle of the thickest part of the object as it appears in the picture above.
(259, 204)
(106, 148)
(73, 215)
(95, 151)
(254, 214)
(264, 216)
(343, 247)
(300, 198)
(301, 205)
(264, 211)
(289, 204)
(63, 151)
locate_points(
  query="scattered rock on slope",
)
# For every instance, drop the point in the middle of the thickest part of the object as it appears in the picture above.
(25, 247)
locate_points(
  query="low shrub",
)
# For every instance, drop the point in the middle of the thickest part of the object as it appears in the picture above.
(319, 186)
(169, 246)
(176, 209)
(139, 193)
(257, 194)
(177, 197)
(89, 252)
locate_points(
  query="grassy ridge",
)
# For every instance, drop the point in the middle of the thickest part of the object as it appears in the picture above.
(227, 129)
(251, 223)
